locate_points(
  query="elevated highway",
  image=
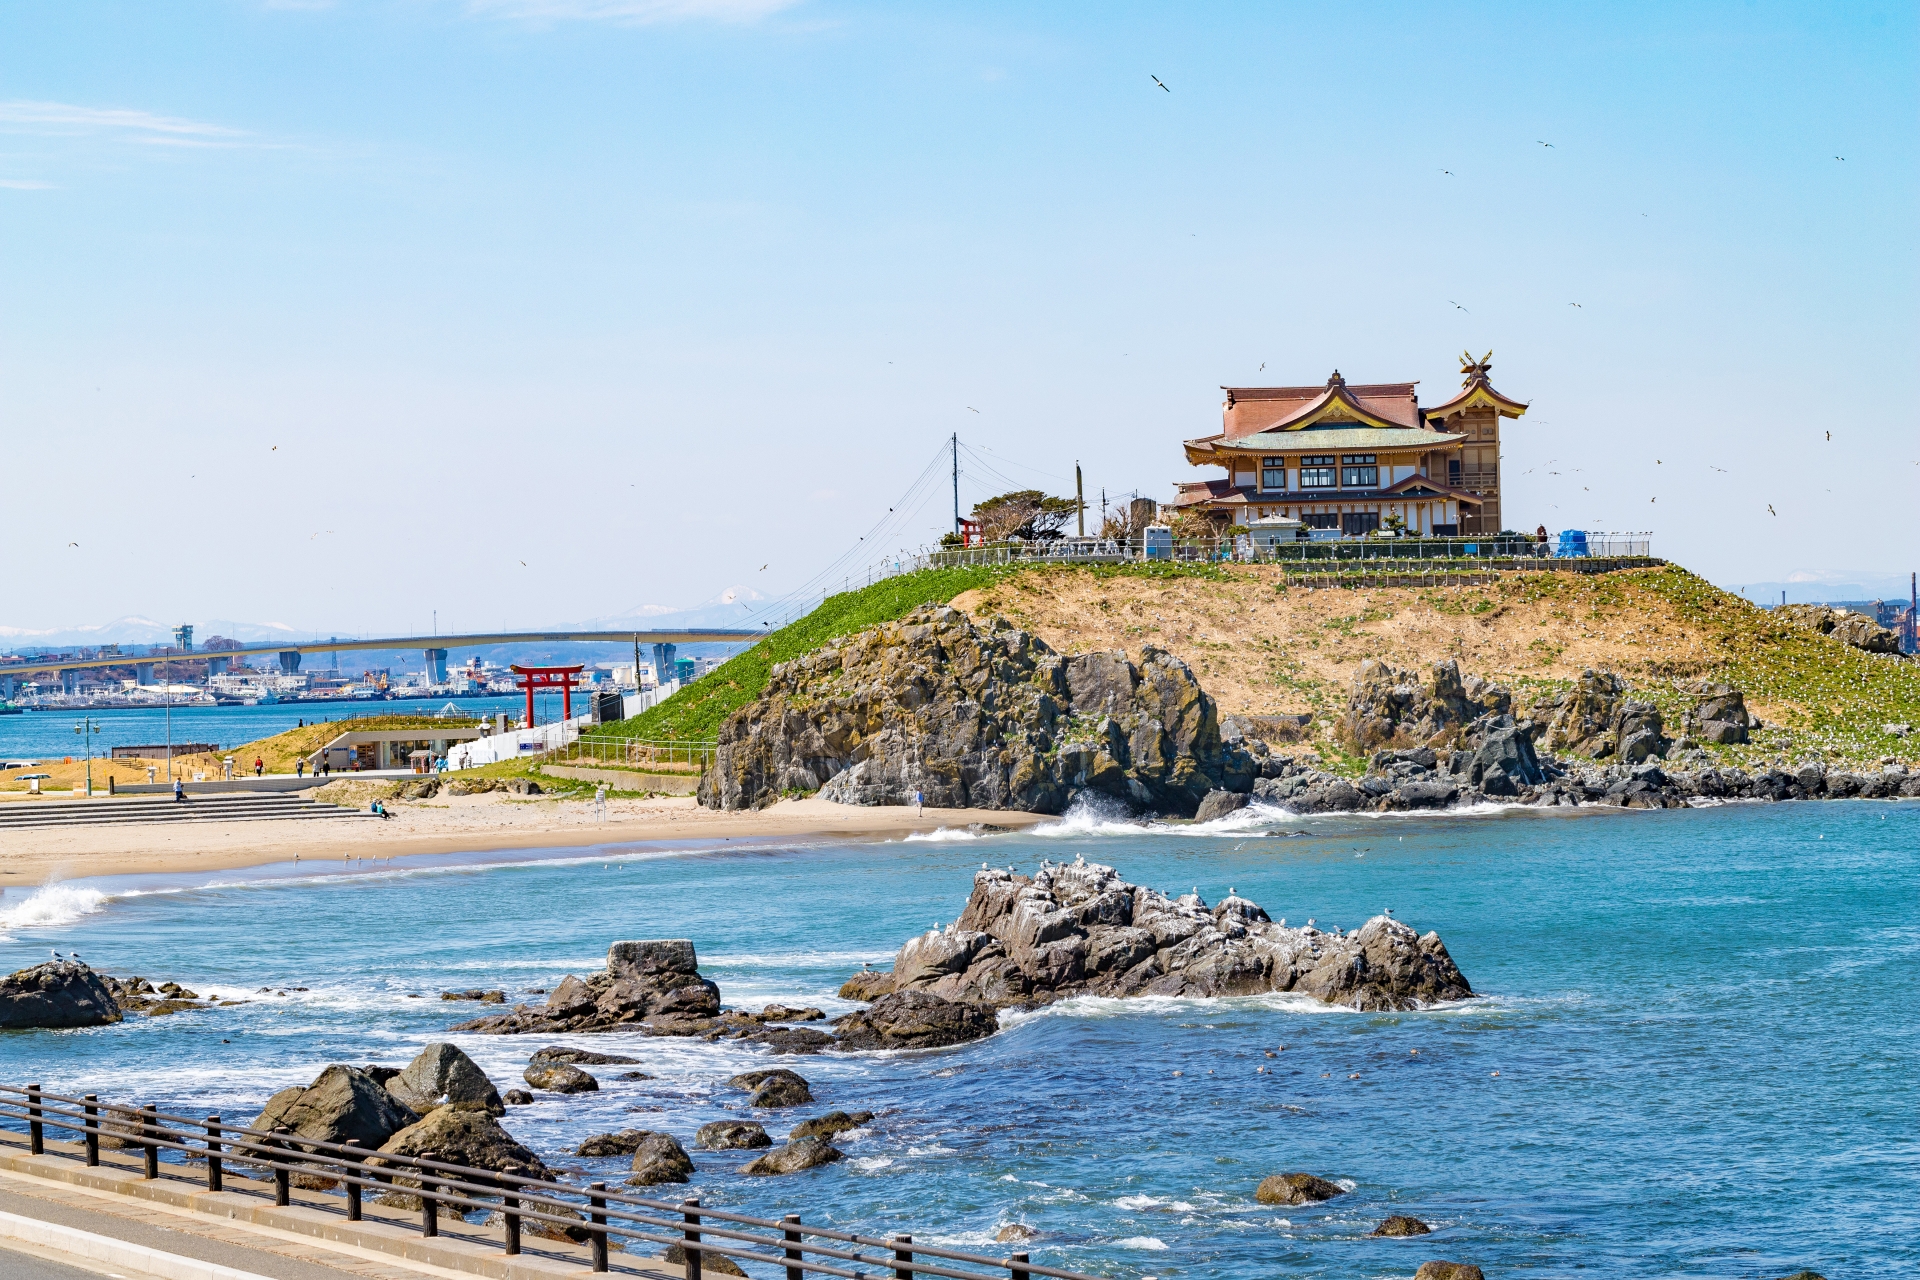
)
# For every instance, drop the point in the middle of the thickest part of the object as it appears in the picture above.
(288, 653)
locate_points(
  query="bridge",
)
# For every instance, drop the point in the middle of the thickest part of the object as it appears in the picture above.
(435, 648)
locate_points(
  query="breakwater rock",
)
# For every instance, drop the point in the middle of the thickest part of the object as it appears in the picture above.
(652, 986)
(56, 993)
(1079, 928)
(987, 717)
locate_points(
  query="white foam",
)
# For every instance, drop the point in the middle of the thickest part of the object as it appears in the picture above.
(1153, 1244)
(1139, 1202)
(941, 835)
(871, 1164)
(51, 907)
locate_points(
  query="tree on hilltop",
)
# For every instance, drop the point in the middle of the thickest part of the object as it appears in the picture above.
(1024, 513)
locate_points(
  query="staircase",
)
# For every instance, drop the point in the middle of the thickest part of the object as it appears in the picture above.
(102, 811)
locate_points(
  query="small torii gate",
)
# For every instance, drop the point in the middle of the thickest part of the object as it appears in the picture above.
(561, 678)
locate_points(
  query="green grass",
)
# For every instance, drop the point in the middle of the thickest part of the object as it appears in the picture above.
(697, 711)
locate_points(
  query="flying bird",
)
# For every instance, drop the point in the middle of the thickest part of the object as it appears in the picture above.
(1771, 511)
(1839, 157)
(275, 449)
(523, 564)
(1575, 304)
(1829, 435)
(1544, 144)
(971, 409)
(1448, 172)
(1460, 307)
(1157, 80)
(73, 544)
(1263, 367)
(763, 568)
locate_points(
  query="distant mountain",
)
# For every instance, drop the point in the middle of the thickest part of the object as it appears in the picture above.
(1821, 586)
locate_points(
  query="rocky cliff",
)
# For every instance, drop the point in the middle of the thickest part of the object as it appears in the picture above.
(652, 986)
(1080, 929)
(984, 717)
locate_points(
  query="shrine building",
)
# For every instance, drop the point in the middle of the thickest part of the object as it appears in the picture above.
(1348, 457)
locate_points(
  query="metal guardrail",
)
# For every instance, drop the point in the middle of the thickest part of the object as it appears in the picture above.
(633, 751)
(1244, 550)
(611, 1218)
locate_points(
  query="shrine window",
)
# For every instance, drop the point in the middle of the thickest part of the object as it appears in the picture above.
(1316, 472)
(1273, 473)
(1357, 471)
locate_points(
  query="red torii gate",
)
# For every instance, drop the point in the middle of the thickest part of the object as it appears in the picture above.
(561, 678)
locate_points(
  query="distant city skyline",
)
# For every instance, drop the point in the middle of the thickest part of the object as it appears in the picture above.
(536, 310)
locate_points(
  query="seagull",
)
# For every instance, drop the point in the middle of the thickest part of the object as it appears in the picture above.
(56, 954)
(763, 568)
(1575, 304)
(523, 564)
(1448, 172)
(1544, 144)
(275, 449)
(1389, 910)
(1157, 80)
(1771, 511)
(73, 544)
(1458, 306)
(1829, 436)
(1262, 368)
(1839, 157)
(971, 409)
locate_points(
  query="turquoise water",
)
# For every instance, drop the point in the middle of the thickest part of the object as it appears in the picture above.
(1703, 1024)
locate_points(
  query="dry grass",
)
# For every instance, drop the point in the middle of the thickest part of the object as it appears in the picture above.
(1263, 648)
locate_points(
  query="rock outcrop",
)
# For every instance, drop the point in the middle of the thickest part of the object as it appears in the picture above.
(1080, 929)
(1390, 708)
(1438, 1270)
(659, 1158)
(732, 1135)
(1721, 715)
(987, 717)
(56, 993)
(559, 1077)
(1848, 628)
(623, 1143)
(443, 1076)
(1401, 1225)
(1596, 719)
(653, 987)
(471, 1138)
(828, 1125)
(342, 1104)
(800, 1154)
(915, 1020)
(776, 1088)
(1296, 1188)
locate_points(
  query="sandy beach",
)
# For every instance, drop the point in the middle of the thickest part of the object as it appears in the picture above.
(478, 824)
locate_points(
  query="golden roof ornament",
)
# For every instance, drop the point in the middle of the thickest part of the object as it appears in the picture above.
(1476, 370)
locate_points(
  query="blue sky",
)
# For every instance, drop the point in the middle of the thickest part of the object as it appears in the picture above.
(336, 314)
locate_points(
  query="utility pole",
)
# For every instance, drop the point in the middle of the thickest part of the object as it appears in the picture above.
(956, 484)
(88, 728)
(1079, 498)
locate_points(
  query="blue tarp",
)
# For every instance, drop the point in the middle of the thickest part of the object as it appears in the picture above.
(1573, 542)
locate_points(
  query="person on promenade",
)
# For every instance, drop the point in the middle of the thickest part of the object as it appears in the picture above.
(259, 766)
(300, 767)
(179, 791)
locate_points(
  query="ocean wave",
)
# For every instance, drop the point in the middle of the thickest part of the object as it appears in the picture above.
(941, 835)
(872, 1164)
(51, 907)
(1153, 1244)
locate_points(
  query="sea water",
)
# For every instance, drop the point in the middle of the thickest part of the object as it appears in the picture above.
(1694, 1053)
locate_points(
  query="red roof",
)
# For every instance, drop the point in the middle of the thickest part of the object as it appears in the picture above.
(1264, 408)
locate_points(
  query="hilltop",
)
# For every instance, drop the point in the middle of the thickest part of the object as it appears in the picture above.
(1261, 646)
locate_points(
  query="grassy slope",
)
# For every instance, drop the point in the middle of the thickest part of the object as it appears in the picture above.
(1261, 647)
(697, 712)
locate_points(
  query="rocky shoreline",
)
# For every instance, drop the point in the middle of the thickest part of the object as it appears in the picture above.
(989, 717)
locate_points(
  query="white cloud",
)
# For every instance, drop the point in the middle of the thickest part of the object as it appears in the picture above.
(628, 11)
(25, 184)
(61, 117)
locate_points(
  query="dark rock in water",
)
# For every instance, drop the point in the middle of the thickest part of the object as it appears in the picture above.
(732, 1135)
(1401, 1225)
(652, 986)
(1437, 1270)
(485, 997)
(915, 1020)
(780, 1089)
(1218, 804)
(829, 1124)
(441, 1076)
(718, 1264)
(518, 1098)
(559, 1077)
(56, 993)
(1079, 928)
(578, 1057)
(342, 1104)
(1295, 1188)
(868, 984)
(805, 1153)
(659, 1158)
(788, 1013)
(634, 1075)
(987, 717)
(1015, 1233)
(790, 1039)
(1804, 1275)
(623, 1143)
(472, 1138)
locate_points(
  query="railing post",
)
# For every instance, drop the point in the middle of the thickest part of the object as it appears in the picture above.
(691, 1211)
(215, 1178)
(792, 1234)
(352, 1184)
(92, 1128)
(509, 1206)
(429, 1207)
(36, 1131)
(1017, 1266)
(149, 1126)
(597, 1215)
(903, 1258)
(282, 1174)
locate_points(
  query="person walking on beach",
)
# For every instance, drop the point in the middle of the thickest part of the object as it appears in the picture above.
(919, 803)
(600, 802)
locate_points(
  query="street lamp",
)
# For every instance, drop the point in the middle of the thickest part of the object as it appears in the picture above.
(86, 729)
